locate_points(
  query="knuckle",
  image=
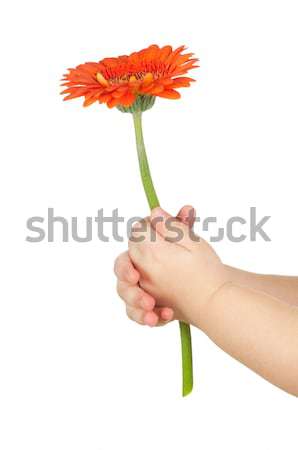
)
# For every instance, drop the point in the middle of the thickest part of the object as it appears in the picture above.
(117, 265)
(120, 290)
(135, 315)
(134, 252)
(130, 313)
(121, 268)
(132, 296)
(135, 296)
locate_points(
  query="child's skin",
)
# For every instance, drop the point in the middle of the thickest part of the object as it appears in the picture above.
(252, 317)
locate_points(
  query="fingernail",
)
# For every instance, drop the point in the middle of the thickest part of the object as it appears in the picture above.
(136, 226)
(167, 314)
(191, 215)
(150, 319)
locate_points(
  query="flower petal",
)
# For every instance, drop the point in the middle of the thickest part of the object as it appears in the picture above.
(157, 89)
(120, 92)
(128, 99)
(74, 93)
(169, 93)
(89, 99)
(113, 102)
(165, 52)
(182, 82)
(104, 98)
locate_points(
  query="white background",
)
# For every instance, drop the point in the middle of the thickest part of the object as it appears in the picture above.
(75, 373)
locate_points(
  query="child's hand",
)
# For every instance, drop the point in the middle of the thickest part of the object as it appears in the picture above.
(184, 279)
(175, 278)
(140, 306)
(178, 270)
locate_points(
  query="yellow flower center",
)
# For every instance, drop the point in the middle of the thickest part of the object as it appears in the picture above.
(146, 77)
(101, 79)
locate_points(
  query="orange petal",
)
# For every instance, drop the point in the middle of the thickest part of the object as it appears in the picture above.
(169, 93)
(104, 98)
(166, 81)
(146, 89)
(128, 99)
(183, 58)
(89, 99)
(182, 71)
(157, 89)
(120, 92)
(152, 52)
(174, 54)
(113, 102)
(181, 82)
(165, 52)
(74, 93)
(113, 88)
(183, 79)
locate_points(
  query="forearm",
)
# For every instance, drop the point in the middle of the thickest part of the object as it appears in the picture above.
(282, 287)
(257, 329)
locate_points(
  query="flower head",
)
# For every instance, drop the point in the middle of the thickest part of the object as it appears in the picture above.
(133, 80)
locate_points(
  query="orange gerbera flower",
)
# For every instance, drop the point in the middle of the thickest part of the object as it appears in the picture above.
(152, 72)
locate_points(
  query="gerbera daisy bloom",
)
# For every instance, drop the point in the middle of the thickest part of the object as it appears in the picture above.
(142, 76)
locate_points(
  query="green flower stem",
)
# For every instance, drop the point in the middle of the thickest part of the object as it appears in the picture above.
(143, 162)
(185, 335)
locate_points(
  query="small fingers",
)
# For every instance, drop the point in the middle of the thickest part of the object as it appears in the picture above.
(125, 270)
(165, 314)
(135, 314)
(141, 317)
(158, 317)
(151, 319)
(135, 296)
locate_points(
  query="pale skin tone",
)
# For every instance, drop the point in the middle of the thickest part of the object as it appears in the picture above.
(252, 317)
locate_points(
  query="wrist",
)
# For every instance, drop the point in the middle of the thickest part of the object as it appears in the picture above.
(223, 304)
(200, 299)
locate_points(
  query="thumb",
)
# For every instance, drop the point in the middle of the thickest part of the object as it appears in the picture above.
(170, 228)
(187, 215)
